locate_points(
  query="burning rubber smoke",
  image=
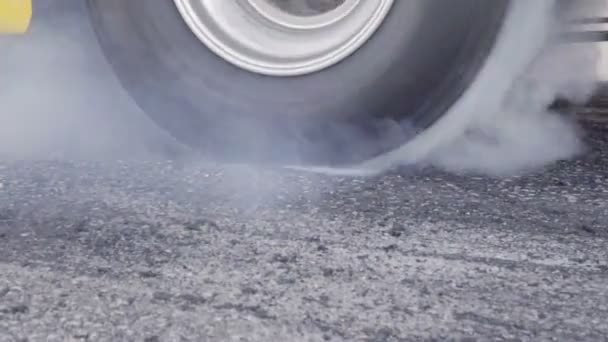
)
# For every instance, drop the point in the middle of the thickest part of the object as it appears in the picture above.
(524, 134)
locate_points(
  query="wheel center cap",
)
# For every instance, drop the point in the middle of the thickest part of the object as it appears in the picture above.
(306, 8)
(304, 14)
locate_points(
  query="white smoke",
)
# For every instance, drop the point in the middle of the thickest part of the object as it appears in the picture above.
(525, 135)
(502, 126)
(58, 97)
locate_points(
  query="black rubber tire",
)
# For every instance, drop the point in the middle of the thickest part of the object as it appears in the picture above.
(404, 78)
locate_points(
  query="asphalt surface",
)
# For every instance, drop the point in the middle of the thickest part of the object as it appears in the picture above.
(163, 251)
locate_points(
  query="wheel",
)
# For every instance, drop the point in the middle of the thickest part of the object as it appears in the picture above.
(340, 82)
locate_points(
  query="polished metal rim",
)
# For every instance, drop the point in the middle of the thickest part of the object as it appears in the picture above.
(260, 37)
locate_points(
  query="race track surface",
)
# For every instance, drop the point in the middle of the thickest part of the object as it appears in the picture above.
(161, 251)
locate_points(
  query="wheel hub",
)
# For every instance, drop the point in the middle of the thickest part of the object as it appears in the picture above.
(284, 37)
(306, 7)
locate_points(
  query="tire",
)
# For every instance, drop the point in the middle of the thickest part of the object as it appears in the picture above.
(412, 71)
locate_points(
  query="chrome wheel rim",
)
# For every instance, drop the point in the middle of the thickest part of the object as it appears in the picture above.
(261, 37)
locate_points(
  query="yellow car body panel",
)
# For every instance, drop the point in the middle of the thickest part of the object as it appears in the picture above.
(15, 16)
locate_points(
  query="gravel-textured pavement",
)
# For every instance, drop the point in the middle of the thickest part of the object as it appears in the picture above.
(140, 251)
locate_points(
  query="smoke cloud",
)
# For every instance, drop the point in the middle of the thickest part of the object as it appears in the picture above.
(524, 134)
(508, 126)
(58, 97)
